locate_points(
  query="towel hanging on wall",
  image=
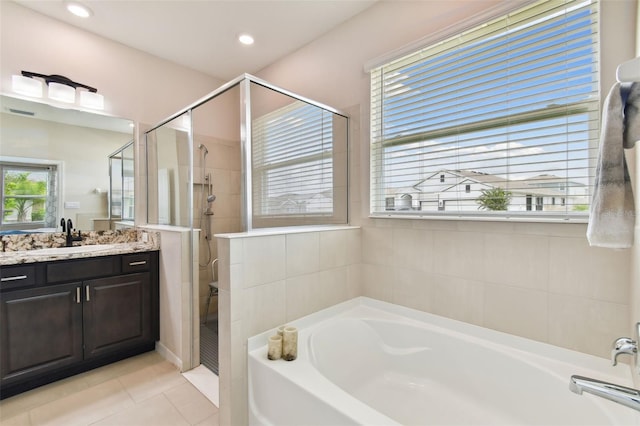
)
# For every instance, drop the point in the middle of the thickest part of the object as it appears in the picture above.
(631, 133)
(612, 213)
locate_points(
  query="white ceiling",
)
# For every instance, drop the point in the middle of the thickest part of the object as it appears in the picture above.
(202, 34)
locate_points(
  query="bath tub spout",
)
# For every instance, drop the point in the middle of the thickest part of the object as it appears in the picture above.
(622, 395)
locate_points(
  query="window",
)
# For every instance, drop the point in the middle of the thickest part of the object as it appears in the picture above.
(299, 166)
(28, 196)
(510, 106)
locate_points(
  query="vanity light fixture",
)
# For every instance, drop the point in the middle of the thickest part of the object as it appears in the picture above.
(61, 92)
(26, 86)
(245, 39)
(91, 100)
(79, 9)
(61, 89)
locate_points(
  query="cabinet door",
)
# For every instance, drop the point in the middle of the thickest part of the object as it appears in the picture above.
(40, 330)
(117, 313)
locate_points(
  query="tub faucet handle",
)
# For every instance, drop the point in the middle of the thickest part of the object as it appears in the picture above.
(623, 345)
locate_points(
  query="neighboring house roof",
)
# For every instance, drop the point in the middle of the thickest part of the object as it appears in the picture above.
(543, 180)
(488, 180)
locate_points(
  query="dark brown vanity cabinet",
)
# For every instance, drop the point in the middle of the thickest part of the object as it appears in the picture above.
(64, 317)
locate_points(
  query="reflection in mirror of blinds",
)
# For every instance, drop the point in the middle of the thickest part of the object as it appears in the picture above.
(293, 161)
(506, 110)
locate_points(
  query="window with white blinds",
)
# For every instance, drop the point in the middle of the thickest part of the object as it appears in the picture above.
(501, 119)
(293, 163)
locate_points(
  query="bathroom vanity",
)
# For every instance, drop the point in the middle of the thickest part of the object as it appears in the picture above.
(67, 315)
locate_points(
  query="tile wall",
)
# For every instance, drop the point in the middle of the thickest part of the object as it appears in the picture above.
(537, 281)
(268, 280)
(223, 163)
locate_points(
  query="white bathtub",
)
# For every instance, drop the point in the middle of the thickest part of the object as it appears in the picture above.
(366, 362)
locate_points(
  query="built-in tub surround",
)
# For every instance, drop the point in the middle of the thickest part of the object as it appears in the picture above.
(25, 248)
(270, 277)
(370, 362)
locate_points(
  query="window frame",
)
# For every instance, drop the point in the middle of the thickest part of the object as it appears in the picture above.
(334, 150)
(36, 164)
(590, 106)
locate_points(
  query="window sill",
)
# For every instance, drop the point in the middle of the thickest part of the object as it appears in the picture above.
(582, 219)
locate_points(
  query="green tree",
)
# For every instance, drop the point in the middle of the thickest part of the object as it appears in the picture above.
(19, 184)
(494, 199)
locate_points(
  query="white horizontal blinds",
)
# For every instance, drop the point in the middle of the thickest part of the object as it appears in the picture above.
(505, 111)
(293, 161)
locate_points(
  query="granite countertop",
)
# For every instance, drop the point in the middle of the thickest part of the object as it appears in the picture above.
(32, 248)
(47, 255)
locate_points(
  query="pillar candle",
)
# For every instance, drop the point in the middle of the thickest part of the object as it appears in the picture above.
(290, 343)
(275, 347)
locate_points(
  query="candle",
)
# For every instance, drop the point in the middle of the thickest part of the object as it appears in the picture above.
(275, 347)
(290, 343)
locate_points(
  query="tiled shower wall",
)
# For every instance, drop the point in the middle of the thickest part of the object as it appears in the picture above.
(268, 280)
(223, 163)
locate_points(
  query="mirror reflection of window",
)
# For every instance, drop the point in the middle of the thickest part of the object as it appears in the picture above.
(29, 199)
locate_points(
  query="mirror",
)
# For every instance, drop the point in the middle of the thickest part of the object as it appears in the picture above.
(121, 193)
(55, 164)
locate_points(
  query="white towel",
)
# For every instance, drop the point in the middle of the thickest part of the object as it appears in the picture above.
(632, 116)
(612, 213)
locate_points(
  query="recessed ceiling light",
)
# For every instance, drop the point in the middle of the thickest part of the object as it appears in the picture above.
(79, 9)
(245, 39)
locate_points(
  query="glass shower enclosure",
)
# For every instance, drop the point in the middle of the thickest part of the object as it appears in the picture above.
(249, 155)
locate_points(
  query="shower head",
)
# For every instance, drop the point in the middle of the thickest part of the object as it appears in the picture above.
(211, 198)
(201, 146)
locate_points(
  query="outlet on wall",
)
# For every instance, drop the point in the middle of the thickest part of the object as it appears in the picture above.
(72, 204)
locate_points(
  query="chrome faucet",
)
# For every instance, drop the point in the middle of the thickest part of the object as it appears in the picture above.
(627, 346)
(622, 395)
(623, 345)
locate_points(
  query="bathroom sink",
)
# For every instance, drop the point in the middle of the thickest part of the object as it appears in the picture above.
(70, 250)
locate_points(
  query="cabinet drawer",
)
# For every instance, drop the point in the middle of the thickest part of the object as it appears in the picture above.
(82, 269)
(135, 262)
(17, 276)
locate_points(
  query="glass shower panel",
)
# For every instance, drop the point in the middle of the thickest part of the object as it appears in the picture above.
(299, 161)
(128, 183)
(169, 173)
(216, 192)
(115, 193)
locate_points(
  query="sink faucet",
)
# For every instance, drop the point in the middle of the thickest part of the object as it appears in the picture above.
(622, 395)
(70, 237)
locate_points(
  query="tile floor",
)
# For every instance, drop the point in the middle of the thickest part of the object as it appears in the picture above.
(139, 391)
